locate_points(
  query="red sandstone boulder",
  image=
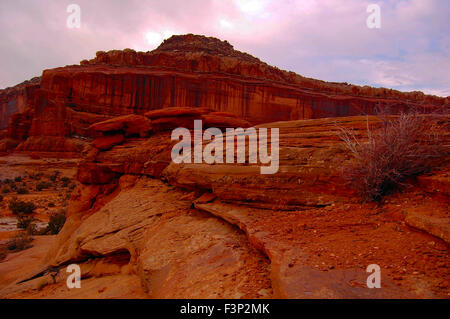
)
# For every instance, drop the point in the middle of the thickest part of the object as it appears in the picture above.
(170, 123)
(224, 114)
(224, 121)
(310, 157)
(173, 117)
(128, 124)
(139, 156)
(107, 142)
(95, 173)
(176, 112)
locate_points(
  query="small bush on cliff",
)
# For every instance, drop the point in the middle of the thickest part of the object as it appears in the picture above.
(402, 147)
(56, 222)
(26, 222)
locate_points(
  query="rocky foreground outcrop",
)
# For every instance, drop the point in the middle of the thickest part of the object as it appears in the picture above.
(166, 230)
(184, 71)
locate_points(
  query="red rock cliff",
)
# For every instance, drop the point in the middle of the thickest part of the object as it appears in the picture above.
(14, 99)
(192, 71)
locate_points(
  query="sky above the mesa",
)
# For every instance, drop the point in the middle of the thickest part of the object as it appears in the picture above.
(323, 39)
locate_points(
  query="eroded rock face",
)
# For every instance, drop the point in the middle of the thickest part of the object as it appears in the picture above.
(194, 72)
(311, 155)
(105, 143)
(166, 231)
(15, 100)
(53, 144)
(165, 240)
(128, 125)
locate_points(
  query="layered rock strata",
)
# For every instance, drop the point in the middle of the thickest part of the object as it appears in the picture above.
(190, 71)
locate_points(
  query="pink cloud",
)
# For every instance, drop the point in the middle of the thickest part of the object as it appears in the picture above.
(326, 39)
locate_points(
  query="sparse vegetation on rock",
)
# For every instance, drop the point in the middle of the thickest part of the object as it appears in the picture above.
(26, 222)
(400, 148)
(56, 222)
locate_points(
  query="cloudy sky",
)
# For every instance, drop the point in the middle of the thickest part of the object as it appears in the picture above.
(324, 39)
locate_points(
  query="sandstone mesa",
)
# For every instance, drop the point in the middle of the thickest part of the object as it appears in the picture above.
(142, 226)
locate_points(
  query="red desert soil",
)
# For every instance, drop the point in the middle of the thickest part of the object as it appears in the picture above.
(347, 238)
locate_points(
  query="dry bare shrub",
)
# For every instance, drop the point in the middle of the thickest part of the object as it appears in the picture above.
(401, 147)
(56, 223)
